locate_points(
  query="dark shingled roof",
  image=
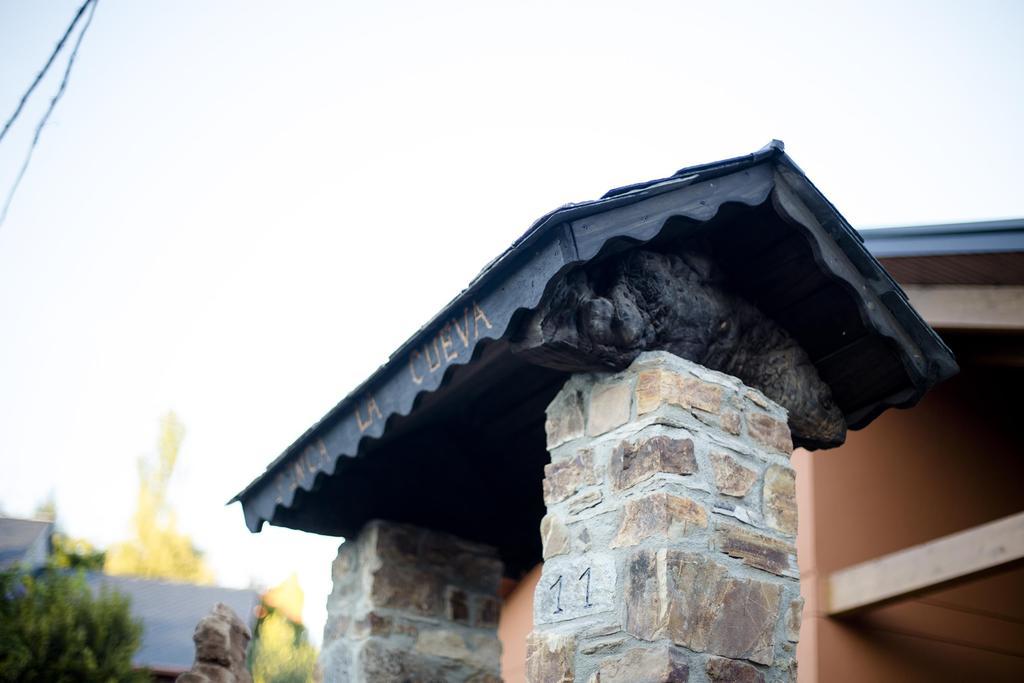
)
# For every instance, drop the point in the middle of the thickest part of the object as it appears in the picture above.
(449, 432)
(169, 613)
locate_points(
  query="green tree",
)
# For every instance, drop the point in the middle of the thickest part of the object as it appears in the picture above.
(158, 549)
(53, 629)
(66, 551)
(281, 652)
(75, 553)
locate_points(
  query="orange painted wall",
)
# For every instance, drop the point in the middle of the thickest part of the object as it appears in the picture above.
(516, 623)
(954, 461)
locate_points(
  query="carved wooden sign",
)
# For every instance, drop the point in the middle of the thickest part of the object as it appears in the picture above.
(455, 339)
(458, 335)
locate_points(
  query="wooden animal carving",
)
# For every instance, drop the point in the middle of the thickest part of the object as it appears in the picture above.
(600, 318)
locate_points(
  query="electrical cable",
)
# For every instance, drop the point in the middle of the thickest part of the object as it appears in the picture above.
(46, 67)
(91, 4)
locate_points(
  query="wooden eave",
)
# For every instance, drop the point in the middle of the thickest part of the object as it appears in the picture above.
(452, 400)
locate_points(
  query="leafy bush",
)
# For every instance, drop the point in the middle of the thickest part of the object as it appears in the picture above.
(282, 652)
(52, 629)
(75, 553)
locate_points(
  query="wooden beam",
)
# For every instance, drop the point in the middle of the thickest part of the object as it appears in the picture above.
(925, 567)
(978, 307)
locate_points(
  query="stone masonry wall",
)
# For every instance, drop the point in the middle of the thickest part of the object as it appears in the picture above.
(412, 605)
(669, 542)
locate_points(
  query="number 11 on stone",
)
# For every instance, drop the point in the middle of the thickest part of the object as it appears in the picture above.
(558, 596)
(586, 601)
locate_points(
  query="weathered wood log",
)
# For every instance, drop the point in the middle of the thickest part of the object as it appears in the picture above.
(601, 316)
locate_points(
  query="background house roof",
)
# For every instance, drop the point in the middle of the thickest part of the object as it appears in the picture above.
(169, 613)
(981, 237)
(24, 541)
(982, 253)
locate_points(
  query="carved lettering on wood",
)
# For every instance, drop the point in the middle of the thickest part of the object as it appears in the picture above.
(451, 341)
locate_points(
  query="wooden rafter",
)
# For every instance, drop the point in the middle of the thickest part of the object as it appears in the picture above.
(926, 567)
(981, 307)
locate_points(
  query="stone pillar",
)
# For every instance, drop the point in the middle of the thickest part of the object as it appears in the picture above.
(412, 605)
(669, 541)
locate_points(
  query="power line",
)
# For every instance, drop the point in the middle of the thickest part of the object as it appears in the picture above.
(91, 4)
(46, 67)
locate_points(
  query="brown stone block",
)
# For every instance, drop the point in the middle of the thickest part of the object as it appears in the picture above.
(659, 515)
(769, 432)
(602, 630)
(406, 588)
(694, 585)
(602, 647)
(456, 605)
(635, 461)
(695, 393)
(441, 642)
(405, 628)
(377, 661)
(372, 624)
(646, 595)
(337, 626)
(692, 600)
(658, 387)
(207, 672)
(609, 407)
(474, 565)
(757, 398)
(484, 677)
(744, 625)
(663, 664)
(554, 536)
(732, 671)
(440, 550)
(478, 572)
(474, 652)
(396, 542)
(731, 478)
(757, 550)
(584, 501)
(550, 658)
(649, 392)
(794, 617)
(562, 479)
(344, 564)
(564, 418)
(779, 499)
(732, 422)
(488, 611)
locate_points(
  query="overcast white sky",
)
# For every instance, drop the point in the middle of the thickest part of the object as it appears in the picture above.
(240, 209)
